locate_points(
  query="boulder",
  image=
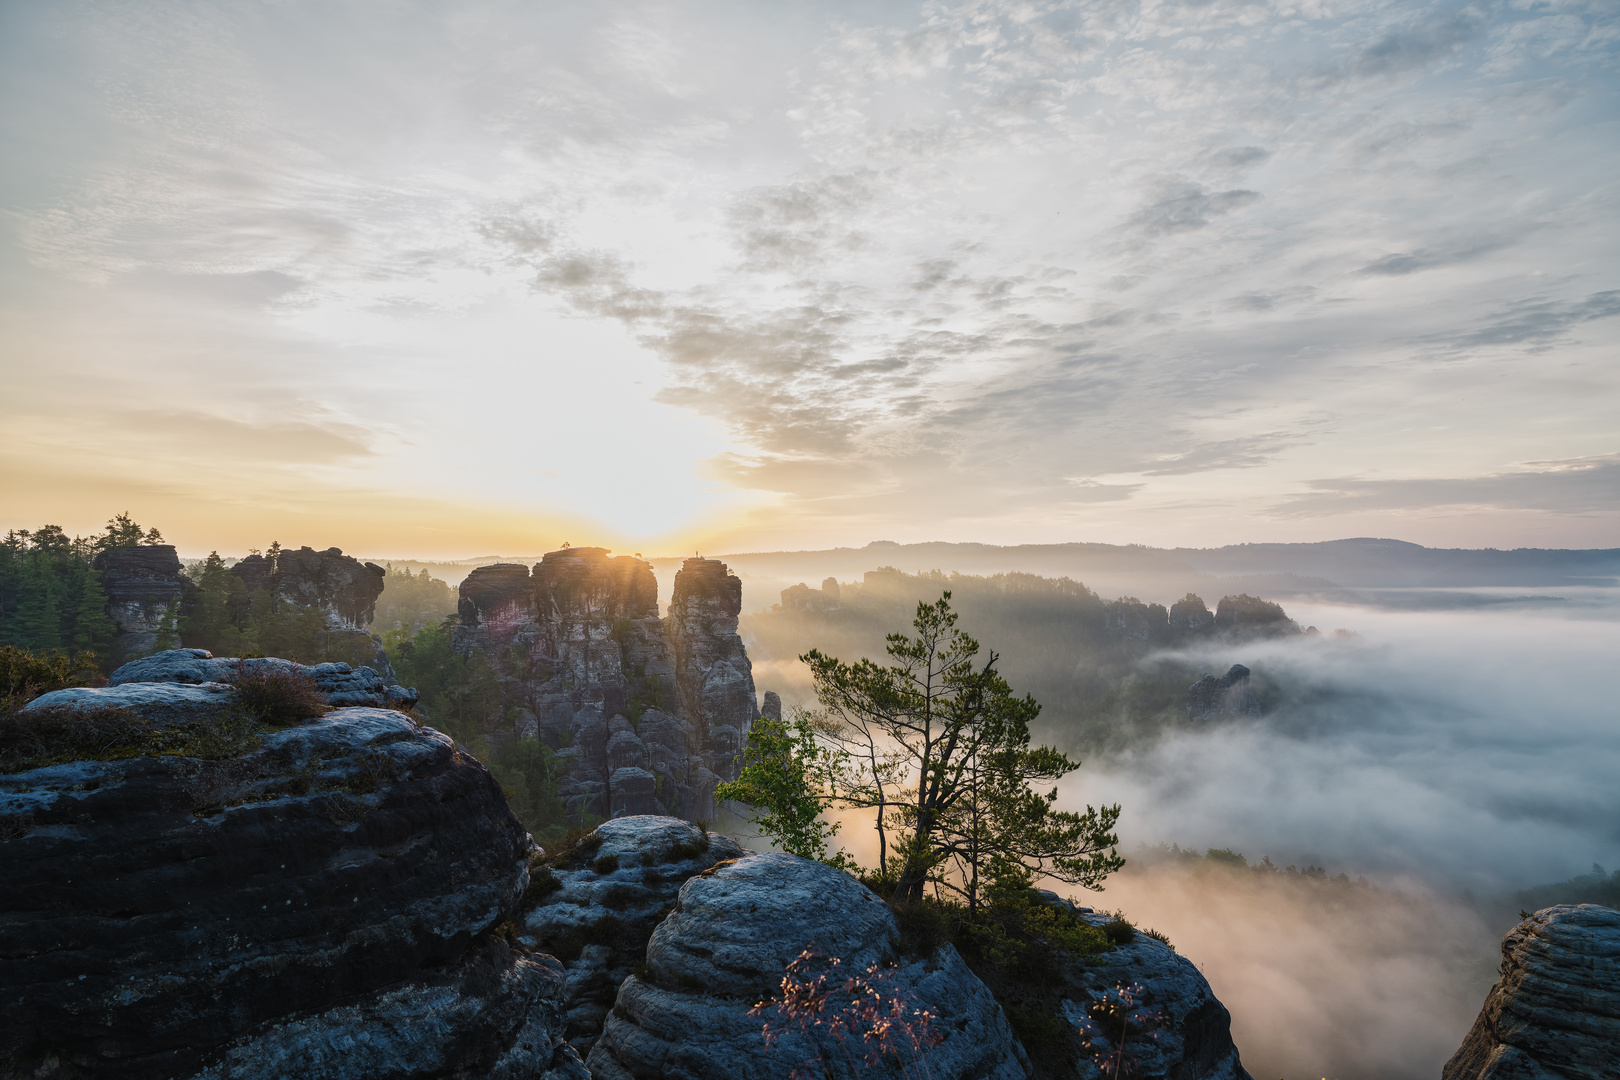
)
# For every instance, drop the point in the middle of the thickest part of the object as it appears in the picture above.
(319, 902)
(725, 947)
(651, 858)
(341, 684)
(1555, 1012)
(1194, 1036)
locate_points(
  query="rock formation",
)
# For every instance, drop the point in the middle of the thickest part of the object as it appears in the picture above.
(1194, 1034)
(647, 715)
(319, 901)
(143, 585)
(595, 905)
(1555, 1012)
(1229, 695)
(342, 588)
(341, 684)
(802, 597)
(1250, 616)
(1189, 616)
(725, 946)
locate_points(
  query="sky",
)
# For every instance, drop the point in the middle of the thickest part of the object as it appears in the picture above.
(439, 280)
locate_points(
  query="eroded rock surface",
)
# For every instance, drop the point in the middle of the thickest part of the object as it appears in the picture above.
(724, 947)
(325, 897)
(646, 714)
(1195, 1039)
(143, 584)
(341, 684)
(1555, 1012)
(341, 587)
(597, 907)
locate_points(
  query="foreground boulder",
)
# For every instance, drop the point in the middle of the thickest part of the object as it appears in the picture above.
(318, 900)
(1555, 1012)
(686, 1014)
(597, 902)
(1193, 1036)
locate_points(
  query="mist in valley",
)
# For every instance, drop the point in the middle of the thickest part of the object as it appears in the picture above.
(1373, 825)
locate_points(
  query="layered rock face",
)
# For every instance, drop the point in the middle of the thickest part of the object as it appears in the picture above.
(320, 904)
(647, 715)
(1194, 1033)
(341, 587)
(597, 906)
(1555, 1012)
(142, 584)
(733, 931)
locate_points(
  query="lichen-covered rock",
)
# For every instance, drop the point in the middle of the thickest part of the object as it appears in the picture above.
(1555, 1012)
(165, 916)
(1195, 1039)
(341, 684)
(601, 903)
(581, 649)
(166, 702)
(143, 586)
(725, 946)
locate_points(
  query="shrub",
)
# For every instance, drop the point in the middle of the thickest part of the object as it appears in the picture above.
(606, 864)
(1156, 936)
(542, 883)
(24, 676)
(575, 849)
(278, 694)
(1118, 931)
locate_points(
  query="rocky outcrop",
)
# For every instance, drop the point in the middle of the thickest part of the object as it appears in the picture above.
(1189, 1033)
(1250, 616)
(341, 684)
(646, 715)
(802, 597)
(1230, 695)
(143, 587)
(734, 929)
(342, 588)
(1555, 1011)
(596, 905)
(1190, 616)
(319, 901)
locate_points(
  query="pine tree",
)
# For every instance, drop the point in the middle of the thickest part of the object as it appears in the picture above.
(93, 630)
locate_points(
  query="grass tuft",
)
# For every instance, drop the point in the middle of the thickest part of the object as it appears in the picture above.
(276, 694)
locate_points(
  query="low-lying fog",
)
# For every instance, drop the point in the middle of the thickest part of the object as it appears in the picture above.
(1464, 746)
(1451, 756)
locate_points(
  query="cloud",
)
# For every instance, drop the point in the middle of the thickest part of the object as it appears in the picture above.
(1585, 485)
(1182, 206)
(1539, 322)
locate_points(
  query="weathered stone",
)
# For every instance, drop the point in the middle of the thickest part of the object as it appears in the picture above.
(1555, 1011)
(1229, 695)
(725, 946)
(163, 916)
(143, 584)
(341, 587)
(341, 684)
(1195, 1039)
(1135, 624)
(165, 702)
(592, 652)
(652, 858)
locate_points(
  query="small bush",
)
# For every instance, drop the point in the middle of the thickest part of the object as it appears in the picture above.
(575, 850)
(1156, 936)
(924, 926)
(690, 849)
(1045, 1037)
(606, 864)
(1119, 932)
(278, 694)
(24, 676)
(542, 883)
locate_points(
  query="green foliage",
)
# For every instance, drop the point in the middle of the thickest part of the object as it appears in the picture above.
(40, 737)
(410, 602)
(788, 778)
(938, 744)
(50, 595)
(605, 864)
(122, 531)
(24, 675)
(1119, 931)
(1597, 887)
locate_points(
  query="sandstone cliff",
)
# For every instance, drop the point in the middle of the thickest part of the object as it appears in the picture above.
(646, 714)
(316, 900)
(1555, 1012)
(342, 588)
(143, 586)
